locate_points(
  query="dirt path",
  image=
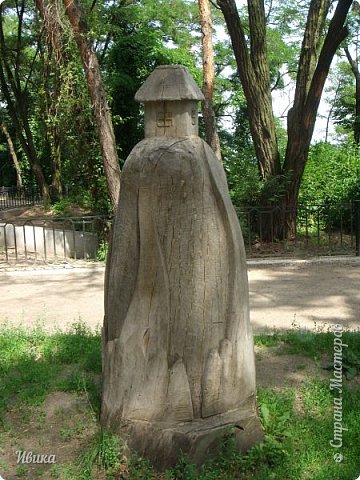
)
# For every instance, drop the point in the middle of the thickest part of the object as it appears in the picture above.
(281, 294)
(305, 294)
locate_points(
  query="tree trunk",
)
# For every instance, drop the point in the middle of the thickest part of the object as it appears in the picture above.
(254, 74)
(98, 97)
(355, 69)
(331, 110)
(302, 117)
(212, 136)
(17, 111)
(357, 113)
(313, 70)
(14, 157)
(49, 12)
(56, 184)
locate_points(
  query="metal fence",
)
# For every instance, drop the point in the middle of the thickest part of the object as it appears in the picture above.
(318, 230)
(13, 197)
(54, 241)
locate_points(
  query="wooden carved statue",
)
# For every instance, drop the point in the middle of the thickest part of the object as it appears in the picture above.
(177, 343)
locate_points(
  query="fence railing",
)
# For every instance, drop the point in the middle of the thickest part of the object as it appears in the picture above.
(13, 197)
(54, 241)
(318, 230)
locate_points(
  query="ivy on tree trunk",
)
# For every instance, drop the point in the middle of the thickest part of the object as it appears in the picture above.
(54, 39)
(98, 98)
(3, 127)
(212, 136)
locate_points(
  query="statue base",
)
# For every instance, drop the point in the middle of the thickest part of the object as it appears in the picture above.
(163, 443)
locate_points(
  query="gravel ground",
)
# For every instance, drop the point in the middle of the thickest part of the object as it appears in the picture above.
(283, 294)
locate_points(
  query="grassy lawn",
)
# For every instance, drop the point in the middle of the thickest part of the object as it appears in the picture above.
(50, 398)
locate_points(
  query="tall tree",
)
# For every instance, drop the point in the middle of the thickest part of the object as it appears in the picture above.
(98, 97)
(49, 12)
(317, 52)
(14, 92)
(253, 69)
(212, 136)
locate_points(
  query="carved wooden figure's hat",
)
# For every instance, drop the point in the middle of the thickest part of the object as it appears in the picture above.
(169, 83)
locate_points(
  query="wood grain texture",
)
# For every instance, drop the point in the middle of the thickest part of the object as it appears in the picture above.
(169, 83)
(178, 345)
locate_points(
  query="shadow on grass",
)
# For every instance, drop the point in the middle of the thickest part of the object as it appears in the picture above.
(33, 364)
(298, 422)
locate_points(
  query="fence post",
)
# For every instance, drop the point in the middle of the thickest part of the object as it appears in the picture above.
(357, 227)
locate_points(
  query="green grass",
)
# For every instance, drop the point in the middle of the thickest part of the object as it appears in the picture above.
(31, 363)
(309, 343)
(298, 422)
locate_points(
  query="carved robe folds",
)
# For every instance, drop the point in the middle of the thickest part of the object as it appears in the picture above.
(177, 343)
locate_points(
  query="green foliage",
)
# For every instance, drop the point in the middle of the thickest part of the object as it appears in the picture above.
(289, 17)
(141, 469)
(65, 207)
(342, 90)
(102, 251)
(274, 189)
(239, 156)
(281, 53)
(31, 361)
(350, 364)
(314, 344)
(146, 35)
(103, 452)
(62, 207)
(243, 180)
(241, 167)
(183, 470)
(131, 39)
(331, 181)
(332, 175)
(272, 340)
(81, 202)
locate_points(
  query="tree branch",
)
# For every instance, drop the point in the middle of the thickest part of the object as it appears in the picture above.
(214, 5)
(269, 12)
(20, 14)
(279, 77)
(352, 62)
(236, 31)
(309, 50)
(258, 49)
(32, 65)
(337, 32)
(98, 97)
